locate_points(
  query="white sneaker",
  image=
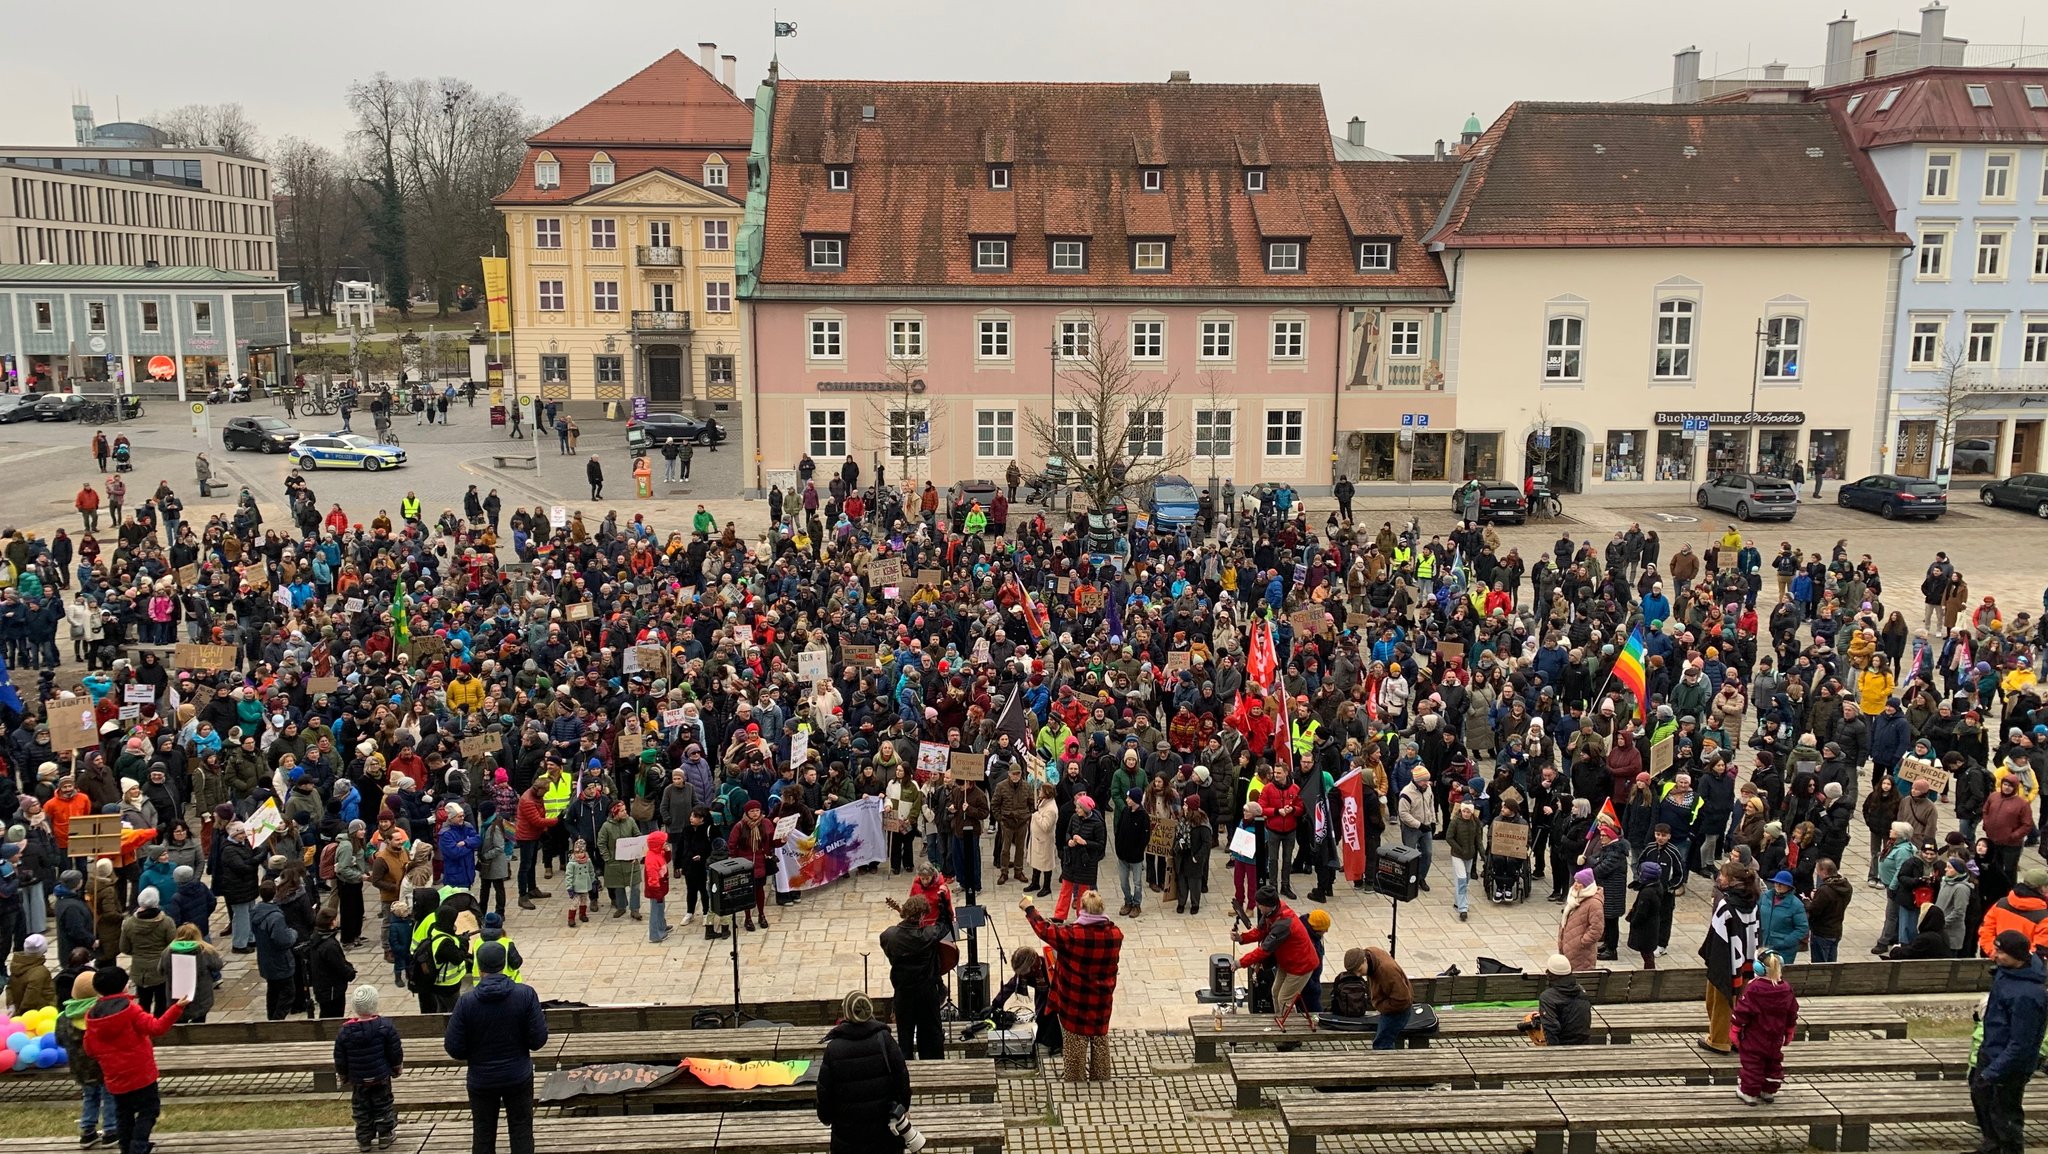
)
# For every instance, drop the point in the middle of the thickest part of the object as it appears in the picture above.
(686, 920)
(1660, 951)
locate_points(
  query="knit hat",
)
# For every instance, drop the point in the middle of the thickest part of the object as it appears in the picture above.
(148, 899)
(1084, 801)
(364, 1001)
(1318, 920)
(490, 957)
(494, 921)
(1649, 871)
(183, 874)
(110, 980)
(2011, 943)
(35, 943)
(857, 1007)
(1583, 878)
(2035, 876)
(1558, 966)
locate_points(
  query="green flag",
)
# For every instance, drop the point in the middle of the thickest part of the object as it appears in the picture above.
(401, 620)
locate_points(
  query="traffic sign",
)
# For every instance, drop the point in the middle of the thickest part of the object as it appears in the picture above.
(1422, 420)
(1407, 420)
(1543, 440)
(199, 408)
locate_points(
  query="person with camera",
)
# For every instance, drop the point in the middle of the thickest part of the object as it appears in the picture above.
(912, 947)
(864, 1085)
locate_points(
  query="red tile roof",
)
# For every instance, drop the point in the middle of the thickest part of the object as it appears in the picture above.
(1401, 201)
(920, 185)
(671, 115)
(1632, 175)
(1933, 106)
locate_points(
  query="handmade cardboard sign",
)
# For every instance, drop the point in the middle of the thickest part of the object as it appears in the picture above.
(482, 744)
(191, 655)
(578, 611)
(1510, 839)
(968, 766)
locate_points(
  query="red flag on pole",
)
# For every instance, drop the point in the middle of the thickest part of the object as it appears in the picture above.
(1608, 817)
(1351, 830)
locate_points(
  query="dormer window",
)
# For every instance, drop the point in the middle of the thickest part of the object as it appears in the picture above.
(999, 176)
(1375, 256)
(1152, 179)
(547, 171)
(602, 171)
(714, 174)
(1255, 180)
(827, 252)
(992, 255)
(838, 178)
(1283, 256)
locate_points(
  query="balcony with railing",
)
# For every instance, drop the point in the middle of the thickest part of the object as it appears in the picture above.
(660, 256)
(661, 323)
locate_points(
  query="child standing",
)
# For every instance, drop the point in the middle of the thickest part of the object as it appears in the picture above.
(120, 1035)
(654, 879)
(1317, 923)
(582, 878)
(96, 1117)
(1649, 920)
(368, 1055)
(398, 940)
(1764, 1016)
(1244, 867)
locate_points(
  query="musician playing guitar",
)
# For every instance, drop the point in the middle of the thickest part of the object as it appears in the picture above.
(915, 947)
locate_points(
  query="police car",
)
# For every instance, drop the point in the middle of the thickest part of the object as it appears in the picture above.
(345, 451)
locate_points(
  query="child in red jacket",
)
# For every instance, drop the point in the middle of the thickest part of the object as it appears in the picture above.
(117, 1036)
(654, 877)
(1764, 1016)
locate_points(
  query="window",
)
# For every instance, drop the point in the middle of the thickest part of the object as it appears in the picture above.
(554, 370)
(2041, 253)
(1940, 184)
(1069, 255)
(1148, 340)
(657, 234)
(1215, 432)
(1674, 340)
(46, 317)
(1855, 102)
(1283, 432)
(202, 316)
(828, 252)
(839, 179)
(1075, 431)
(1981, 348)
(1782, 338)
(1991, 253)
(2034, 345)
(1290, 339)
(1283, 256)
(1563, 347)
(664, 297)
(151, 321)
(718, 296)
(1925, 351)
(1482, 457)
(993, 340)
(1375, 256)
(1216, 340)
(992, 255)
(604, 232)
(1998, 168)
(547, 232)
(827, 433)
(1145, 434)
(95, 316)
(1891, 97)
(550, 296)
(1980, 95)
(547, 173)
(1077, 340)
(1934, 254)
(906, 340)
(611, 369)
(1404, 339)
(825, 334)
(714, 175)
(1625, 455)
(995, 433)
(604, 296)
(910, 433)
(719, 372)
(717, 236)
(602, 171)
(1148, 256)
(2037, 96)
(1255, 180)
(1152, 179)
(999, 176)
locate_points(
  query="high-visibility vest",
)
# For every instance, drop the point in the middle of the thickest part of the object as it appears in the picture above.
(1425, 565)
(447, 973)
(1305, 736)
(1402, 555)
(409, 508)
(556, 800)
(505, 940)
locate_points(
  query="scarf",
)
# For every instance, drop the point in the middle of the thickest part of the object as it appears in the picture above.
(1578, 894)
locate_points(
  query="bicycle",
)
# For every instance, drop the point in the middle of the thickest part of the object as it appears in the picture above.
(1547, 506)
(97, 412)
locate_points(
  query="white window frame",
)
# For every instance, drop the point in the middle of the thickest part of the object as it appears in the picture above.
(1076, 340)
(1152, 179)
(995, 434)
(1404, 339)
(900, 435)
(1145, 434)
(1938, 179)
(718, 235)
(1675, 339)
(1291, 425)
(716, 175)
(1216, 341)
(96, 323)
(820, 247)
(1999, 169)
(2034, 339)
(839, 178)
(906, 338)
(994, 339)
(547, 173)
(547, 233)
(1926, 337)
(604, 296)
(550, 295)
(660, 234)
(1074, 433)
(1069, 256)
(1148, 339)
(1289, 339)
(1566, 346)
(823, 436)
(602, 171)
(43, 316)
(1255, 180)
(825, 338)
(1141, 249)
(999, 176)
(717, 297)
(1981, 338)
(1209, 421)
(1285, 256)
(604, 233)
(1375, 256)
(663, 294)
(202, 316)
(1936, 253)
(1994, 253)
(2039, 267)
(991, 254)
(150, 316)
(1789, 329)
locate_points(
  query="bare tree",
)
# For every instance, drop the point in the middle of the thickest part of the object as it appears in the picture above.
(1213, 392)
(223, 126)
(459, 148)
(380, 110)
(905, 418)
(1116, 427)
(318, 221)
(1957, 393)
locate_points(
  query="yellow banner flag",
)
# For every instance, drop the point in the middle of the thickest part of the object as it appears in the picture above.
(498, 293)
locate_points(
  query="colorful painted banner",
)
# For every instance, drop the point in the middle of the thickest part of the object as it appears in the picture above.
(847, 838)
(731, 1075)
(608, 1078)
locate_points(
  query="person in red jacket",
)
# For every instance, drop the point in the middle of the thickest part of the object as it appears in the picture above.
(1763, 1019)
(654, 877)
(1280, 801)
(531, 824)
(1257, 726)
(117, 1036)
(1284, 941)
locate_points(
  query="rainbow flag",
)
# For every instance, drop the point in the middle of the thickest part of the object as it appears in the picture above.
(1628, 669)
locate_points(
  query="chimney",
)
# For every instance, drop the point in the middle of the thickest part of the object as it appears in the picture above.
(1179, 76)
(707, 55)
(1933, 21)
(1685, 76)
(1841, 51)
(728, 67)
(1355, 131)
(1774, 71)
(1439, 148)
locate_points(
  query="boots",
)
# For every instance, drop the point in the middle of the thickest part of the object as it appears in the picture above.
(1003, 878)
(710, 933)
(750, 921)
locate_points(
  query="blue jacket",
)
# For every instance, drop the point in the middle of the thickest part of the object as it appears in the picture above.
(1891, 739)
(2014, 1019)
(193, 903)
(495, 1028)
(367, 1050)
(458, 854)
(1781, 922)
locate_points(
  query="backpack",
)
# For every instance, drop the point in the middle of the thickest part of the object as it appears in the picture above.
(420, 970)
(1350, 997)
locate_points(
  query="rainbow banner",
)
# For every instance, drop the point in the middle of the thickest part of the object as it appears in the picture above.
(731, 1075)
(848, 837)
(1628, 669)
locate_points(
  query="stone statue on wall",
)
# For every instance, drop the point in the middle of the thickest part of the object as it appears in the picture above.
(1365, 361)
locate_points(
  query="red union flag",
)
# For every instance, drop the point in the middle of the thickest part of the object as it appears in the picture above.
(1351, 831)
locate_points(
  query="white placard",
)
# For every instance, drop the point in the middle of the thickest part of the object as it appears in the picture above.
(932, 758)
(264, 822)
(799, 747)
(744, 634)
(184, 975)
(672, 718)
(813, 665)
(129, 712)
(138, 694)
(352, 605)
(785, 826)
(558, 516)
(630, 848)
(1244, 843)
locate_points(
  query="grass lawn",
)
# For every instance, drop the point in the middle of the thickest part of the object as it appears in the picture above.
(60, 1120)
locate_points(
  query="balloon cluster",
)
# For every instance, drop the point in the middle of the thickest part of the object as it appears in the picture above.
(31, 1042)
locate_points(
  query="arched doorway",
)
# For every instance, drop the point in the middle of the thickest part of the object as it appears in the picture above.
(1560, 454)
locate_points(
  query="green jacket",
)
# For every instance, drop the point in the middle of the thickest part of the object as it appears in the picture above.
(617, 874)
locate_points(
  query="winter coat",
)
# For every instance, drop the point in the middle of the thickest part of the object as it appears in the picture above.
(1040, 855)
(1764, 1015)
(1079, 864)
(145, 935)
(459, 843)
(367, 1051)
(1649, 920)
(118, 1036)
(618, 874)
(1781, 923)
(235, 880)
(495, 1029)
(1578, 936)
(274, 942)
(75, 925)
(209, 972)
(1827, 905)
(1283, 940)
(1610, 872)
(2015, 1015)
(29, 986)
(862, 1079)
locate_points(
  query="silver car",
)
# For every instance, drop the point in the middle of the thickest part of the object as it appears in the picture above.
(1750, 496)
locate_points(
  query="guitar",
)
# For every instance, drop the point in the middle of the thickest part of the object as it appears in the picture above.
(949, 954)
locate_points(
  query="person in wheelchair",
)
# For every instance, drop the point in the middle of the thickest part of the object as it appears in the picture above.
(1028, 972)
(1507, 876)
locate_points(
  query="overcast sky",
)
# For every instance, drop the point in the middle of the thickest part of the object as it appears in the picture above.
(1413, 71)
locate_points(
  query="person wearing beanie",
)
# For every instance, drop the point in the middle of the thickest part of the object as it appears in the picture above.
(1194, 837)
(494, 931)
(1564, 1014)
(145, 935)
(1247, 856)
(621, 876)
(459, 843)
(29, 985)
(119, 1035)
(74, 917)
(1649, 918)
(862, 1079)
(1578, 935)
(1317, 923)
(2023, 910)
(2014, 1019)
(494, 1030)
(1133, 837)
(1081, 856)
(368, 1056)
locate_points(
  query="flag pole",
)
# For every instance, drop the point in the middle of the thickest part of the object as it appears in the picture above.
(1628, 624)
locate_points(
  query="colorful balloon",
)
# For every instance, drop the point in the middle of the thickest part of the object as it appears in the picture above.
(17, 1041)
(7, 1060)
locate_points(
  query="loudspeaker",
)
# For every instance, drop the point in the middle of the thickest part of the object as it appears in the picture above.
(1400, 875)
(729, 886)
(973, 990)
(1222, 977)
(1260, 999)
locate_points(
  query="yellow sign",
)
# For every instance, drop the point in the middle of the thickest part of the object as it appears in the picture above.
(498, 293)
(199, 408)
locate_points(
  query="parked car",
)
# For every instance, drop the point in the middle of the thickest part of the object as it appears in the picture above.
(1977, 455)
(2019, 491)
(1758, 496)
(683, 427)
(1174, 504)
(1890, 495)
(15, 407)
(58, 406)
(1494, 502)
(263, 434)
(963, 495)
(345, 451)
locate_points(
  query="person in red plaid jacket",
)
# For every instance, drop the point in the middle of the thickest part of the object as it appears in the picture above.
(1084, 966)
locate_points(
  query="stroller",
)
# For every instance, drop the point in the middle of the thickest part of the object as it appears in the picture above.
(123, 456)
(1505, 871)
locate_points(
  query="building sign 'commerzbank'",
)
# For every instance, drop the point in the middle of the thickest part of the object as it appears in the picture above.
(1735, 419)
(916, 386)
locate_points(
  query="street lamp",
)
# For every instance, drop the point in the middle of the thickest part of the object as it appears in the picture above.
(1765, 338)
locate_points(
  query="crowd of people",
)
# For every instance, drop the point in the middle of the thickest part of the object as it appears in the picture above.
(406, 728)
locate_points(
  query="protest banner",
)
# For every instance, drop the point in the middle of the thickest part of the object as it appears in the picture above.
(319, 685)
(606, 1078)
(94, 834)
(885, 571)
(672, 718)
(265, 822)
(968, 766)
(188, 575)
(482, 744)
(72, 727)
(861, 655)
(1661, 756)
(427, 647)
(577, 611)
(135, 693)
(631, 741)
(192, 655)
(813, 665)
(1510, 839)
(1183, 659)
(847, 837)
(799, 747)
(931, 759)
(1935, 777)
(1091, 600)
(647, 659)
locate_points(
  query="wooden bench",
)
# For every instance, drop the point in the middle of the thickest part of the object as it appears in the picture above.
(326, 1140)
(788, 1132)
(1818, 1019)
(746, 1043)
(1254, 1073)
(1589, 1111)
(514, 461)
(1258, 1029)
(1862, 1104)
(1488, 1111)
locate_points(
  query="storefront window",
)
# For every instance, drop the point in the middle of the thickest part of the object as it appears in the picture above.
(1376, 459)
(1625, 455)
(1977, 448)
(1430, 457)
(1675, 452)
(1776, 450)
(1826, 450)
(1727, 451)
(1482, 457)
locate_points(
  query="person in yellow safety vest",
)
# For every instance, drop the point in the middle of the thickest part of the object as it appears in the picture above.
(1425, 566)
(494, 931)
(1403, 553)
(559, 793)
(1303, 732)
(450, 959)
(409, 507)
